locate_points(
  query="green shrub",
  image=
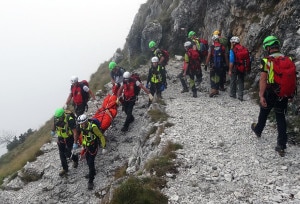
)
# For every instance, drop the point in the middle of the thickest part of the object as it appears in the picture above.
(133, 191)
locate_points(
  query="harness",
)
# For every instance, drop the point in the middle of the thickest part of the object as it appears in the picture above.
(156, 76)
(65, 131)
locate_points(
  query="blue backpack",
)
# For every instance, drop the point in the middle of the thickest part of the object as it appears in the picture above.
(218, 56)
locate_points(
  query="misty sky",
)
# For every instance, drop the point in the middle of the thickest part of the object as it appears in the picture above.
(44, 42)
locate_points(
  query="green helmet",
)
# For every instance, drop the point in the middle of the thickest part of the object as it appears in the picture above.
(191, 34)
(112, 65)
(152, 44)
(270, 40)
(59, 112)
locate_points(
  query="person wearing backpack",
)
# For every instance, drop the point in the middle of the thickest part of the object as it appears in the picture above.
(276, 85)
(201, 45)
(91, 137)
(116, 75)
(162, 54)
(224, 41)
(239, 65)
(215, 60)
(64, 127)
(156, 80)
(192, 66)
(130, 96)
(80, 93)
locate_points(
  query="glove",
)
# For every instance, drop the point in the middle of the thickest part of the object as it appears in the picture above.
(150, 96)
(205, 67)
(104, 151)
(147, 86)
(75, 146)
(65, 106)
(162, 88)
(52, 133)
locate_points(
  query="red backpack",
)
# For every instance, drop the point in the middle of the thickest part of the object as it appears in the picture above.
(85, 96)
(166, 56)
(242, 58)
(137, 89)
(194, 60)
(284, 75)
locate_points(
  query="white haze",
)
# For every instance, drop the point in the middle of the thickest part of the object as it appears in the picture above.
(44, 42)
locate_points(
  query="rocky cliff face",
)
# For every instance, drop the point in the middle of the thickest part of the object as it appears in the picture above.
(168, 22)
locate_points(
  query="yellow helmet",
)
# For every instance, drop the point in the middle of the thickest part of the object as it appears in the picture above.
(216, 32)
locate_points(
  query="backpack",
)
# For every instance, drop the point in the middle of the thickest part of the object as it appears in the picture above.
(284, 75)
(166, 56)
(242, 58)
(218, 57)
(194, 60)
(85, 95)
(137, 89)
(96, 122)
(203, 47)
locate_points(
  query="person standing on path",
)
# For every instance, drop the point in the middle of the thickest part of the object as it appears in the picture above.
(239, 63)
(268, 95)
(65, 128)
(129, 97)
(116, 75)
(91, 136)
(156, 80)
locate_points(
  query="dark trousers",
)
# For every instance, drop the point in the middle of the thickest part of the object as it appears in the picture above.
(91, 152)
(155, 88)
(80, 109)
(192, 76)
(280, 106)
(237, 84)
(223, 76)
(128, 108)
(65, 151)
(215, 78)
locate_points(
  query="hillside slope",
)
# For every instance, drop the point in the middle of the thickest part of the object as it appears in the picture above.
(221, 161)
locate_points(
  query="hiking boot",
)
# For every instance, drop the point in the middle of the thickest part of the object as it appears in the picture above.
(195, 94)
(213, 92)
(124, 129)
(90, 185)
(184, 90)
(63, 173)
(280, 150)
(241, 99)
(75, 164)
(232, 96)
(253, 125)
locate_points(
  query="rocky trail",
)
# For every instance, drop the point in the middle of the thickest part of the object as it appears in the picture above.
(221, 161)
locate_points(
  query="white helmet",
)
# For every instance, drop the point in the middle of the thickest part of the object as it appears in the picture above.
(235, 39)
(154, 59)
(214, 37)
(82, 119)
(187, 44)
(126, 75)
(74, 79)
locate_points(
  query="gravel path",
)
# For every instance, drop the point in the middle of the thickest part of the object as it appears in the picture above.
(222, 161)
